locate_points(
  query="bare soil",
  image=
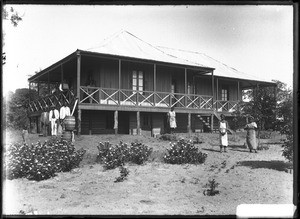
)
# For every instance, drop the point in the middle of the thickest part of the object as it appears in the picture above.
(157, 188)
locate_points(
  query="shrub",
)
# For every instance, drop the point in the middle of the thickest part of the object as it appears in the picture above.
(211, 191)
(123, 174)
(41, 161)
(115, 156)
(184, 151)
(168, 137)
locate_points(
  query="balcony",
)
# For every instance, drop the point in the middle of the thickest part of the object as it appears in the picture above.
(131, 98)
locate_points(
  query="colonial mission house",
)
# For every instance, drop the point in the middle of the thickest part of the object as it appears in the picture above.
(126, 85)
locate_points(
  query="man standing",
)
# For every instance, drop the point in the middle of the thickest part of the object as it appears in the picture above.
(53, 117)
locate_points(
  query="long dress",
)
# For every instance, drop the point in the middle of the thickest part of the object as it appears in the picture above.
(223, 138)
(251, 136)
(172, 117)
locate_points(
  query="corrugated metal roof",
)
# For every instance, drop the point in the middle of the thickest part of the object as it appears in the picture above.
(126, 44)
(221, 69)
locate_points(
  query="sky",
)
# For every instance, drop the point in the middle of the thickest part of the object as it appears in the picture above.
(257, 40)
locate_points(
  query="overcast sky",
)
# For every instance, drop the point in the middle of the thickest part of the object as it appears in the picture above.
(257, 40)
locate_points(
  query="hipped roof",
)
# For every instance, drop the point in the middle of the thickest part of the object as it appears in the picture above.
(125, 44)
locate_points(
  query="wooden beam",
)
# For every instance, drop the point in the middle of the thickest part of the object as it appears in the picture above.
(138, 124)
(154, 83)
(217, 92)
(212, 122)
(185, 86)
(49, 92)
(78, 75)
(116, 122)
(120, 71)
(189, 127)
(213, 88)
(62, 73)
(79, 123)
(238, 90)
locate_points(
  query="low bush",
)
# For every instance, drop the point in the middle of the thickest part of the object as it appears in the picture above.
(168, 137)
(117, 155)
(184, 151)
(41, 161)
(124, 172)
(212, 185)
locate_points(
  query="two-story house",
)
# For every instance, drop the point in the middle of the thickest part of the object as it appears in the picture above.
(126, 85)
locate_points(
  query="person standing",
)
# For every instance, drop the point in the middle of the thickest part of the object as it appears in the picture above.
(223, 128)
(53, 117)
(63, 112)
(251, 128)
(172, 119)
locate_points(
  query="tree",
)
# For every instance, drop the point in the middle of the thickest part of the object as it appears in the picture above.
(16, 108)
(262, 106)
(14, 18)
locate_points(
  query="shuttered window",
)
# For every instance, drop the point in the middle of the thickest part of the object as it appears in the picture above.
(224, 94)
(138, 81)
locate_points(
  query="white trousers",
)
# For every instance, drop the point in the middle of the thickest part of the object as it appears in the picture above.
(53, 127)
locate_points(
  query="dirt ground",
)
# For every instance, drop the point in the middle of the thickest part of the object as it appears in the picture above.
(156, 188)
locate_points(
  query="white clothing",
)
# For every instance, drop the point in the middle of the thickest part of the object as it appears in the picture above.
(64, 111)
(56, 114)
(67, 111)
(53, 127)
(172, 119)
(223, 138)
(53, 116)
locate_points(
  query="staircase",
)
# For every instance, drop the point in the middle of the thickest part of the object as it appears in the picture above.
(208, 124)
(204, 122)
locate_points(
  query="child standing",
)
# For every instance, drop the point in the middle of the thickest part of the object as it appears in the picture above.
(223, 126)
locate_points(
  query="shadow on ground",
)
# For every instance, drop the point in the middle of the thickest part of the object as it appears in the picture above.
(273, 164)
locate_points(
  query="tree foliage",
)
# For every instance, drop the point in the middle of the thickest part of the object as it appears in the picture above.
(15, 107)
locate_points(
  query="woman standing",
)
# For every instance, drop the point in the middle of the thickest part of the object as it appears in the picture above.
(251, 134)
(172, 120)
(223, 128)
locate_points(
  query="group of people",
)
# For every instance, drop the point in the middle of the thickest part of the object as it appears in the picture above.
(250, 127)
(56, 119)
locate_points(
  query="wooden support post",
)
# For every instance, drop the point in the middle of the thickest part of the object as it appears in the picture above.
(116, 122)
(213, 89)
(49, 91)
(38, 88)
(119, 86)
(37, 125)
(217, 91)
(212, 123)
(62, 74)
(189, 126)
(238, 95)
(185, 87)
(154, 84)
(78, 75)
(238, 91)
(79, 123)
(138, 124)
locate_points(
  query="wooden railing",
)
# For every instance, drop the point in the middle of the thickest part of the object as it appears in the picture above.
(109, 96)
(56, 99)
(228, 106)
(126, 97)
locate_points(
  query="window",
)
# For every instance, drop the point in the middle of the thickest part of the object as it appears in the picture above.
(224, 94)
(138, 81)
